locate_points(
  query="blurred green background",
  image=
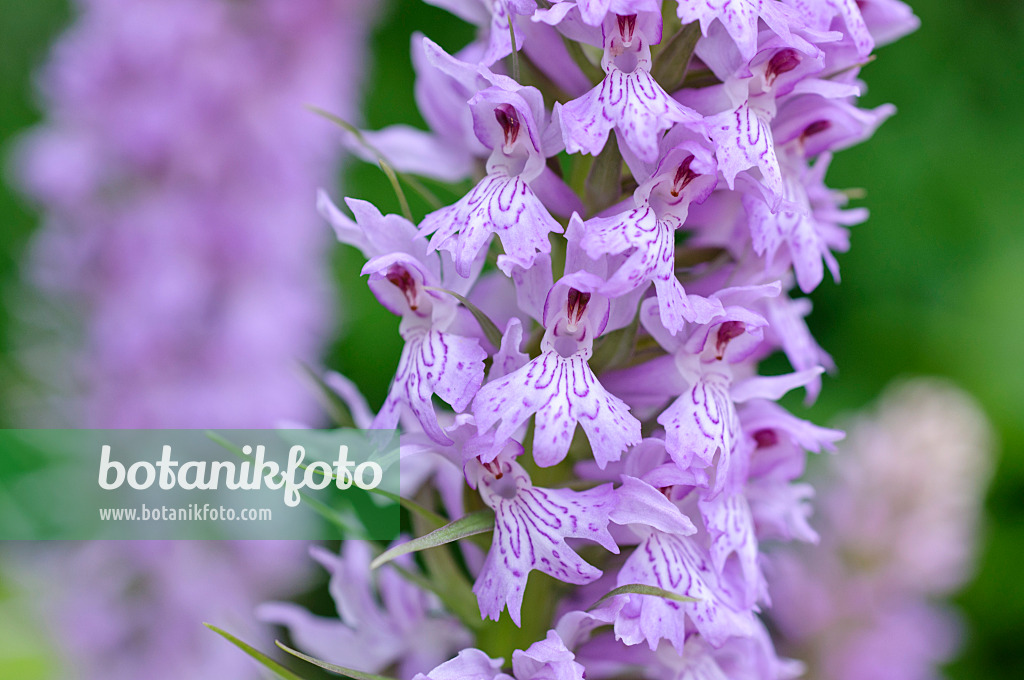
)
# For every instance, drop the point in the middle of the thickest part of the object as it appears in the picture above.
(934, 283)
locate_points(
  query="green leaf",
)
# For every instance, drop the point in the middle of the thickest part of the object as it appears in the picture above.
(339, 670)
(403, 203)
(515, 52)
(348, 528)
(412, 506)
(489, 328)
(615, 349)
(269, 663)
(416, 185)
(669, 68)
(474, 523)
(641, 589)
(605, 177)
(335, 406)
(449, 580)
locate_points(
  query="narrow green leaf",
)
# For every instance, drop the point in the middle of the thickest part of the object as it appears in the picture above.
(475, 523)
(335, 406)
(449, 578)
(403, 203)
(414, 183)
(641, 589)
(426, 194)
(515, 52)
(669, 68)
(337, 120)
(338, 670)
(605, 177)
(267, 662)
(348, 528)
(489, 328)
(614, 349)
(412, 506)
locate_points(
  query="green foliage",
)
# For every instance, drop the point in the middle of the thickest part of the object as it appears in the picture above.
(641, 589)
(478, 522)
(264, 660)
(333, 668)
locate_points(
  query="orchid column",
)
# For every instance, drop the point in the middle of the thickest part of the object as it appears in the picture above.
(648, 206)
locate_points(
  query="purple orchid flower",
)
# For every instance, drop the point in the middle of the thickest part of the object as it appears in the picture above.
(530, 528)
(628, 99)
(646, 233)
(559, 385)
(433, 360)
(407, 626)
(511, 121)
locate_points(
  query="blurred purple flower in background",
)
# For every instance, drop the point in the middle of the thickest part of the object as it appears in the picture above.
(899, 522)
(176, 171)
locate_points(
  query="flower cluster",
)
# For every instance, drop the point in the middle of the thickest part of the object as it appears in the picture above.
(899, 526)
(648, 203)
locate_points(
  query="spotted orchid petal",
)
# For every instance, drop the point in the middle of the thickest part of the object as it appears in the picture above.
(632, 103)
(743, 139)
(730, 525)
(530, 528)
(644, 507)
(432, 362)
(677, 564)
(703, 422)
(509, 357)
(500, 205)
(546, 659)
(650, 243)
(739, 17)
(562, 391)
(470, 664)
(594, 12)
(820, 14)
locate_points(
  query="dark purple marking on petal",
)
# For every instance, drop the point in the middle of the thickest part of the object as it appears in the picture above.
(815, 128)
(576, 307)
(400, 277)
(766, 438)
(726, 332)
(627, 25)
(684, 175)
(508, 119)
(781, 62)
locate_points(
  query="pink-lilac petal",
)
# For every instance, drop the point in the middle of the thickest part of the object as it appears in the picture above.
(531, 525)
(500, 205)
(702, 422)
(743, 139)
(739, 17)
(432, 362)
(470, 664)
(677, 564)
(730, 525)
(546, 659)
(562, 391)
(632, 103)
